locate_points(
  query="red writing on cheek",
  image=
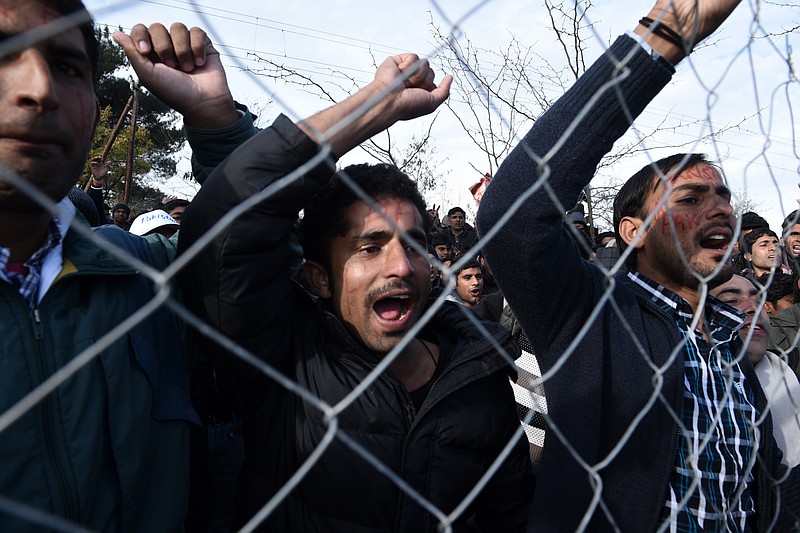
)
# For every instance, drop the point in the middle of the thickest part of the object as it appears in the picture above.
(681, 220)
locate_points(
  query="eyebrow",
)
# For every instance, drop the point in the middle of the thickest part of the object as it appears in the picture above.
(382, 235)
(721, 190)
(52, 47)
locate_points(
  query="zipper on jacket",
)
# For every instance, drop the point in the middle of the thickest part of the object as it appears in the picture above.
(47, 422)
(413, 422)
(37, 325)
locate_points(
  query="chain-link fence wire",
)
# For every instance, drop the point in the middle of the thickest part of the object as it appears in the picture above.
(530, 390)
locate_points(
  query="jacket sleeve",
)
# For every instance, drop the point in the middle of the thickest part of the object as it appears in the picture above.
(239, 281)
(532, 255)
(211, 147)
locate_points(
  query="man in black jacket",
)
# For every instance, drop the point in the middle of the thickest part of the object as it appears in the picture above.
(656, 420)
(372, 384)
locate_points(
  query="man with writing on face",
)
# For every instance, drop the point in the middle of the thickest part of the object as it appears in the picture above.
(635, 381)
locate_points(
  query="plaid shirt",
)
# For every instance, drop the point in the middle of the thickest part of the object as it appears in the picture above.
(709, 489)
(27, 283)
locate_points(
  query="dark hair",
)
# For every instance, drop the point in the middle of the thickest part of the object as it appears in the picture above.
(178, 202)
(631, 198)
(752, 220)
(782, 285)
(456, 210)
(750, 239)
(472, 263)
(326, 216)
(86, 27)
(790, 220)
(438, 238)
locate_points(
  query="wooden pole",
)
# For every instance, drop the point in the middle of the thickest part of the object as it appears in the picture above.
(112, 138)
(131, 145)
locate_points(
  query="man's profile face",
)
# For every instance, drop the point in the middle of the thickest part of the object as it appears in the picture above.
(49, 112)
(443, 250)
(177, 213)
(456, 221)
(792, 241)
(783, 303)
(379, 282)
(469, 285)
(699, 208)
(763, 255)
(742, 295)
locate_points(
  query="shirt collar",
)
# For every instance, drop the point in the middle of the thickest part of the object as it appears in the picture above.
(721, 319)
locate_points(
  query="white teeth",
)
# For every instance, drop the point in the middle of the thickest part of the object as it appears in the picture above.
(717, 237)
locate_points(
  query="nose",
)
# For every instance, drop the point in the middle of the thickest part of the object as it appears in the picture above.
(32, 84)
(722, 208)
(749, 305)
(398, 264)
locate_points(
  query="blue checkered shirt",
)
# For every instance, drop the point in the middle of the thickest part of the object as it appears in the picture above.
(710, 485)
(28, 284)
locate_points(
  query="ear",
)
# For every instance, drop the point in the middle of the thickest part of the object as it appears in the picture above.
(317, 278)
(748, 256)
(629, 230)
(769, 308)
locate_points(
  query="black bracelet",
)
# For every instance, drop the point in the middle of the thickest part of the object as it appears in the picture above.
(665, 32)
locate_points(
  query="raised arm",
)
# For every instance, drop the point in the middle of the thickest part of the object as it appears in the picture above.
(564, 147)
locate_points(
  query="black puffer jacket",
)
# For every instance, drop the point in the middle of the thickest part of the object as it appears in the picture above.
(241, 284)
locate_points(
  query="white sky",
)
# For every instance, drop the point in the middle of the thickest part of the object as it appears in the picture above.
(759, 155)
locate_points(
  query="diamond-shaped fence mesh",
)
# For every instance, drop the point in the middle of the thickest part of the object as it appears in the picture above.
(569, 400)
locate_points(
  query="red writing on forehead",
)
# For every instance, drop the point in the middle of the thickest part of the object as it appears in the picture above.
(697, 172)
(700, 172)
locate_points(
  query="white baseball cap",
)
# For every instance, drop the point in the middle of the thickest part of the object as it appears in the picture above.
(150, 221)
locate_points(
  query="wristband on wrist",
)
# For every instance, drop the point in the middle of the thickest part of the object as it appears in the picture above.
(665, 32)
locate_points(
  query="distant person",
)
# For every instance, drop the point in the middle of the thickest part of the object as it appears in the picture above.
(761, 252)
(120, 214)
(468, 284)
(749, 222)
(777, 380)
(462, 236)
(791, 240)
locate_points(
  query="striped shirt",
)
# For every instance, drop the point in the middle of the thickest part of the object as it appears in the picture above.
(709, 489)
(25, 278)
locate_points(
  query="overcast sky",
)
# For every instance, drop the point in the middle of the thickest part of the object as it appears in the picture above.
(738, 86)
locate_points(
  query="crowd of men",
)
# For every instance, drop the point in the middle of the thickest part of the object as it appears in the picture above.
(325, 377)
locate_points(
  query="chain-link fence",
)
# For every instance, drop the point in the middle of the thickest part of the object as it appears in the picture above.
(339, 437)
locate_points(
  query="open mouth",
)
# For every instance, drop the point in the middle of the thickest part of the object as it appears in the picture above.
(757, 330)
(716, 241)
(394, 308)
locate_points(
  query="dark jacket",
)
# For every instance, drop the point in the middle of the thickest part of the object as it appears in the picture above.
(241, 284)
(464, 242)
(607, 382)
(108, 449)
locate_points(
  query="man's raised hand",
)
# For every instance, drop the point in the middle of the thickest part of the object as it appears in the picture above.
(409, 82)
(182, 68)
